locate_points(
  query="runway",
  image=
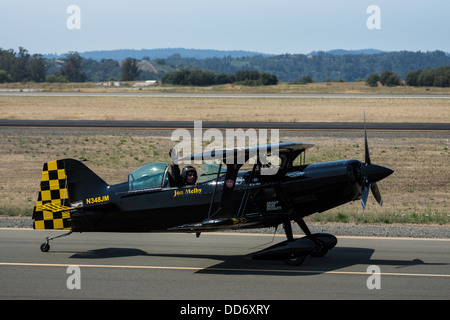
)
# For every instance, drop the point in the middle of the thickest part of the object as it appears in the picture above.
(283, 126)
(168, 94)
(216, 266)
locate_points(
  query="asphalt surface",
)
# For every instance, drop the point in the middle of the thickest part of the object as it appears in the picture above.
(168, 94)
(216, 266)
(288, 126)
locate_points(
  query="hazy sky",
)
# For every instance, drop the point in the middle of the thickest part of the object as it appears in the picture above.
(269, 26)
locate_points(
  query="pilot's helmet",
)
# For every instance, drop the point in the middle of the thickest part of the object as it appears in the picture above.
(185, 171)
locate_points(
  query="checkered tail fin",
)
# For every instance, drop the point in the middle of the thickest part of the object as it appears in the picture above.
(52, 210)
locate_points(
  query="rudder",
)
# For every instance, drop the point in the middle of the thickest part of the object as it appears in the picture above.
(65, 184)
(52, 210)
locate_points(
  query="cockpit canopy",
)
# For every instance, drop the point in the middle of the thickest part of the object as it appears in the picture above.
(153, 175)
(160, 175)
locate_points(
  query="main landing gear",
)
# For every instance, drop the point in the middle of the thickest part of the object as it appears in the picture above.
(294, 251)
(45, 247)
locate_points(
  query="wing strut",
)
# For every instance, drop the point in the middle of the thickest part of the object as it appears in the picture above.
(225, 209)
(246, 194)
(214, 192)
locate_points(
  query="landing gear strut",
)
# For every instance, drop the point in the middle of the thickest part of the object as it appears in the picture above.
(322, 241)
(294, 257)
(45, 247)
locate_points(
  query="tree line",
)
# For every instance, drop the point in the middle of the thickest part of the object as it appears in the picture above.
(319, 66)
(416, 68)
(430, 77)
(22, 67)
(197, 77)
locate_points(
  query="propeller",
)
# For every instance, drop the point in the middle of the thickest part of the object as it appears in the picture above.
(371, 173)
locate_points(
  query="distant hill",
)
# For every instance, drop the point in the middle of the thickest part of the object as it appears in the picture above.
(333, 65)
(341, 52)
(320, 67)
(121, 54)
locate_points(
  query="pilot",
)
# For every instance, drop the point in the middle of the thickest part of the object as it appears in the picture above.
(189, 175)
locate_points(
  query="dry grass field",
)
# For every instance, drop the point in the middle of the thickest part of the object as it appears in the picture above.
(282, 87)
(226, 109)
(418, 191)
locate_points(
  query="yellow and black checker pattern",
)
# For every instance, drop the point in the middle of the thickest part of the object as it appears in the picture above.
(52, 209)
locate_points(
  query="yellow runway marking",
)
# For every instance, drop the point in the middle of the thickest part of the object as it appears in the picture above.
(23, 264)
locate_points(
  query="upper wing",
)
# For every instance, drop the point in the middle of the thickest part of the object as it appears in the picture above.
(245, 153)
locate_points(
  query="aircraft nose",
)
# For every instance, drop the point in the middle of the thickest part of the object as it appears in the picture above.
(375, 172)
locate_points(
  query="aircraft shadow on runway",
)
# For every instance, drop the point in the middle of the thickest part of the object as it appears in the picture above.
(336, 259)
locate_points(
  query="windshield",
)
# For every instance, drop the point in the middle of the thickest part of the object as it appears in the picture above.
(148, 176)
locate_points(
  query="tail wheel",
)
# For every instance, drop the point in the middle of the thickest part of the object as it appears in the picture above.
(45, 247)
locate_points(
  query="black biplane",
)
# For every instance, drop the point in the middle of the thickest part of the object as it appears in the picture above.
(154, 199)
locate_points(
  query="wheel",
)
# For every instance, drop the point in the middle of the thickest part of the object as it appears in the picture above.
(294, 259)
(45, 247)
(320, 250)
